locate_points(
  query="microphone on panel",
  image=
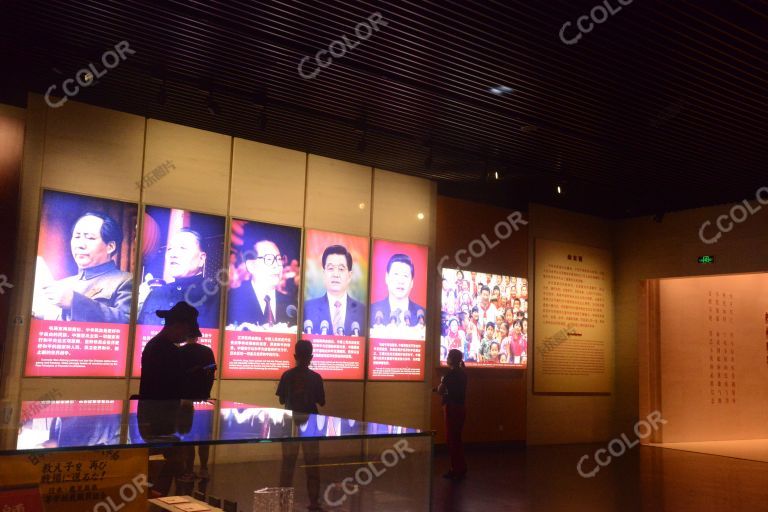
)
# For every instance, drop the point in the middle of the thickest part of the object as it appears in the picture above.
(324, 327)
(355, 329)
(308, 326)
(378, 318)
(290, 311)
(407, 318)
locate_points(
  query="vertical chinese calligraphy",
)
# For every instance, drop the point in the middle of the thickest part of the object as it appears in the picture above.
(722, 350)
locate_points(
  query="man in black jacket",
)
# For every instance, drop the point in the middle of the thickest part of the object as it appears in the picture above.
(199, 366)
(162, 370)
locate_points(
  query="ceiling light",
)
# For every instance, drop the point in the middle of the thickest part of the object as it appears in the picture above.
(500, 90)
(559, 189)
(496, 174)
(420, 216)
(361, 206)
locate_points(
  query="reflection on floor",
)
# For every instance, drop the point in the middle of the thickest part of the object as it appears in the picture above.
(356, 475)
(647, 479)
(752, 449)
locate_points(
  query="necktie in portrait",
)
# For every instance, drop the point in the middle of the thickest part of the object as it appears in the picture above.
(268, 313)
(337, 320)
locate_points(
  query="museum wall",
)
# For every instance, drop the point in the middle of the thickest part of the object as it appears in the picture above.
(643, 248)
(670, 247)
(713, 353)
(558, 418)
(11, 151)
(88, 150)
(496, 407)
(92, 151)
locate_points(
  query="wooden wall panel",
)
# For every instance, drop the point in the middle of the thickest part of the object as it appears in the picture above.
(94, 151)
(199, 178)
(338, 196)
(268, 183)
(397, 202)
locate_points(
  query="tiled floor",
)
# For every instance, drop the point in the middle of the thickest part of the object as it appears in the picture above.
(648, 479)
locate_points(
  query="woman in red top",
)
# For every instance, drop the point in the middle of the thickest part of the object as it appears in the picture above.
(453, 388)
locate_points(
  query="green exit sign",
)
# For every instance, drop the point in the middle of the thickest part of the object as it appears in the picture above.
(706, 259)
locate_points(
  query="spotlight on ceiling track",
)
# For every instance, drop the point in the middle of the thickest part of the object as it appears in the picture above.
(493, 171)
(260, 98)
(361, 124)
(262, 121)
(428, 161)
(212, 106)
(162, 95)
(363, 144)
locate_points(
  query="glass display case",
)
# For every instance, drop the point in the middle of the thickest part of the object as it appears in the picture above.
(109, 455)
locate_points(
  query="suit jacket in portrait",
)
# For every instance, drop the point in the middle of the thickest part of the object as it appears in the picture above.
(193, 290)
(317, 310)
(244, 306)
(100, 294)
(383, 306)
